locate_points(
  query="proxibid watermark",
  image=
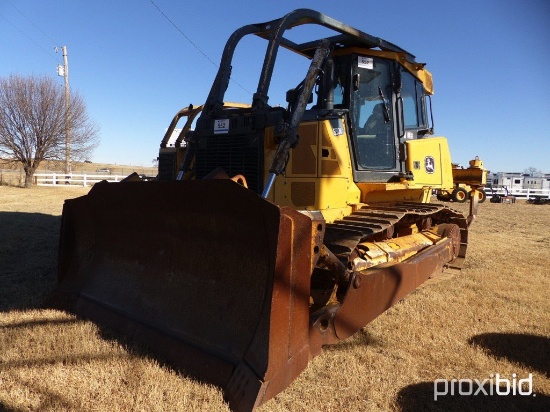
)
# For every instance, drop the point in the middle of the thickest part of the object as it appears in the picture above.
(495, 384)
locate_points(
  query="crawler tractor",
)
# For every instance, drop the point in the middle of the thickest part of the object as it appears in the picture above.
(273, 231)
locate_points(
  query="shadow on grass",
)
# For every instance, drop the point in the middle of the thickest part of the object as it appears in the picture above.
(45, 322)
(462, 397)
(531, 351)
(360, 338)
(6, 408)
(28, 258)
(64, 359)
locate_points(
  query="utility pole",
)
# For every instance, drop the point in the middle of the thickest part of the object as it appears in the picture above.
(64, 71)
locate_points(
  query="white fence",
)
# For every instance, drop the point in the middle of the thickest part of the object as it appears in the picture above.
(519, 193)
(74, 179)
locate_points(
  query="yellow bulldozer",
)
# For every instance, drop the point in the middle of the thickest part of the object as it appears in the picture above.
(273, 231)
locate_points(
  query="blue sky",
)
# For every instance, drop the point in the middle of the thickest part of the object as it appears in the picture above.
(489, 59)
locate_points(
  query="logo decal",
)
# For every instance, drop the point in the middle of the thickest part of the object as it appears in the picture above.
(429, 164)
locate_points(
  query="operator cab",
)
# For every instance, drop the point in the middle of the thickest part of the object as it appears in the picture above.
(386, 104)
(368, 89)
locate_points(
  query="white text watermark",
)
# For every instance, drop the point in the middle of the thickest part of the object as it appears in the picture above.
(494, 385)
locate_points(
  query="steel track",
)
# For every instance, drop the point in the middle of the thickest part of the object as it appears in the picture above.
(378, 220)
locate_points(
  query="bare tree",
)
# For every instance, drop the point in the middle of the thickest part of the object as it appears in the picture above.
(32, 123)
(532, 171)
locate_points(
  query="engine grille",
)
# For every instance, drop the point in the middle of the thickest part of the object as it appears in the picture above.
(233, 153)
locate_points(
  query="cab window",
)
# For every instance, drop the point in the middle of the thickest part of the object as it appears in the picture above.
(413, 107)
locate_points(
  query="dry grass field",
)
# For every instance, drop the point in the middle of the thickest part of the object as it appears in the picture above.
(492, 318)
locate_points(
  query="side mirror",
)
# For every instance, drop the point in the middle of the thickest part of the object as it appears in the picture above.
(292, 95)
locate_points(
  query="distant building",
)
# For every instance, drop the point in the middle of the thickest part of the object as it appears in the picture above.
(518, 181)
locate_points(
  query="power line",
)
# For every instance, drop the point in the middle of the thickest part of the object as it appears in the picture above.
(183, 34)
(28, 37)
(194, 45)
(31, 22)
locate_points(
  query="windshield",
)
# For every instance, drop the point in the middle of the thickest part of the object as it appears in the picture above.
(375, 144)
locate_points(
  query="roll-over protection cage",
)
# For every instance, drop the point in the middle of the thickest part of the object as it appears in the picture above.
(274, 31)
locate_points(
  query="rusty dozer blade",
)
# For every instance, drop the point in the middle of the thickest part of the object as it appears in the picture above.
(206, 273)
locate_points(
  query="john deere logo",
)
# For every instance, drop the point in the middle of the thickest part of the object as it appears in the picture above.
(429, 164)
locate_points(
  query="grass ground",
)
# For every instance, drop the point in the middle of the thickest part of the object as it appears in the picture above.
(492, 318)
